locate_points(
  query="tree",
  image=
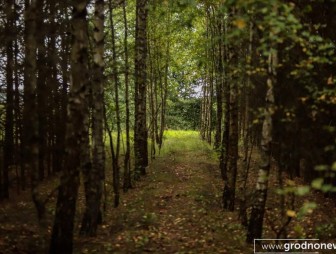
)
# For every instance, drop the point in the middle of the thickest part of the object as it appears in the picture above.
(30, 114)
(95, 176)
(127, 161)
(140, 78)
(232, 153)
(62, 232)
(258, 209)
(9, 122)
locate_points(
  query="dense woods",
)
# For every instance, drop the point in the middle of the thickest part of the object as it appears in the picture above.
(92, 92)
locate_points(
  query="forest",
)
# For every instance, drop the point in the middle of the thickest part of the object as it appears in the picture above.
(167, 126)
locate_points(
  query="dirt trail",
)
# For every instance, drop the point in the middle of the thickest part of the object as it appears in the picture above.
(174, 209)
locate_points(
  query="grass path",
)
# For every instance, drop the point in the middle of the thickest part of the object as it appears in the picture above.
(174, 209)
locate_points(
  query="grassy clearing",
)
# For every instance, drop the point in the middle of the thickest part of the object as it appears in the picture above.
(186, 146)
(174, 141)
(184, 141)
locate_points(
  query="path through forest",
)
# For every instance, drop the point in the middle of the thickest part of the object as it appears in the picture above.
(175, 209)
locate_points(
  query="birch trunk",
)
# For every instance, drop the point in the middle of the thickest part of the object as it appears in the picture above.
(258, 210)
(62, 232)
(92, 215)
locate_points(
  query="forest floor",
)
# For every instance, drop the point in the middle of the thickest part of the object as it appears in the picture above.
(176, 208)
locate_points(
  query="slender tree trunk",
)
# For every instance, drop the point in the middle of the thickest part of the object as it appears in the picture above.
(164, 95)
(209, 108)
(226, 120)
(258, 210)
(127, 161)
(115, 173)
(94, 186)
(140, 128)
(219, 78)
(208, 80)
(203, 110)
(152, 84)
(164, 87)
(246, 134)
(9, 121)
(230, 180)
(42, 96)
(57, 119)
(59, 155)
(116, 150)
(30, 116)
(17, 119)
(62, 232)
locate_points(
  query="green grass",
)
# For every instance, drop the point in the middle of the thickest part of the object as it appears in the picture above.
(183, 141)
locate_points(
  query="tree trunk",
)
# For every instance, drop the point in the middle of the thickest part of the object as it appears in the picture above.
(246, 134)
(152, 104)
(9, 124)
(258, 210)
(58, 153)
(17, 118)
(230, 180)
(164, 93)
(93, 187)
(62, 232)
(30, 116)
(219, 71)
(226, 120)
(127, 161)
(42, 96)
(116, 150)
(140, 128)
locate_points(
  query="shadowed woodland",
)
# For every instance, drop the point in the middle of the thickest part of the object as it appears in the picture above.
(166, 126)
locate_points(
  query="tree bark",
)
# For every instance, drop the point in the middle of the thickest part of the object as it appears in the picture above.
(232, 155)
(127, 162)
(9, 121)
(116, 150)
(226, 111)
(30, 113)
(41, 90)
(219, 71)
(258, 209)
(140, 128)
(62, 232)
(92, 215)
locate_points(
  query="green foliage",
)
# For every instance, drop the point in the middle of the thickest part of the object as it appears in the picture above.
(149, 219)
(325, 183)
(307, 208)
(184, 114)
(326, 230)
